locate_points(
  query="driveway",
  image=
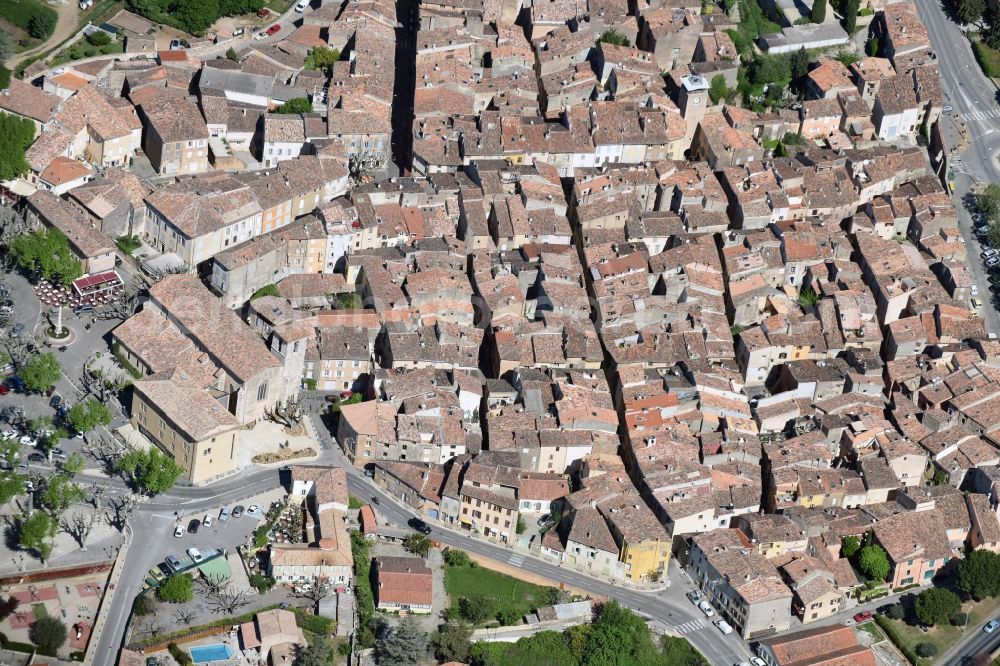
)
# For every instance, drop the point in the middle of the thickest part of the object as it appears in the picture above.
(66, 27)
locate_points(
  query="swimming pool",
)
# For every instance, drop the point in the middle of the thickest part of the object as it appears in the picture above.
(204, 654)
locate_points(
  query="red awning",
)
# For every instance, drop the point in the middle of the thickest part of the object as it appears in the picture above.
(96, 282)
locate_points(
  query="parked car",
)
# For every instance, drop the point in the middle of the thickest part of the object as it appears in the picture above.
(544, 520)
(253, 511)
(173, 562)
(224, 514)
(330, 398)
(164, 569)
(274, 30)
(238, 511)
(178, 531)
(208, 521)
(946, 108)
(706, 608)
(28, 440)
(195, 555)
(29, 487)
(419, 525)
(58, 452)
(301, 5)
(863, 616)
(17, 330)
(193, 526)
(991, 626)
(175, 45)
(156, 574)
(693, 596)
(55, 401)
(36, 457)
(8, 434)
(724, 627)
(757, 661)
(4, 388)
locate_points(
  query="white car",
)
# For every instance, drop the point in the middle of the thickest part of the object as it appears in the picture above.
(724, 627)
(301, 6)
(208, 521)
(8, 434)
(253, 511)
(706, 609)
(178, 531)
(28, 440)
(757, 661)
(975, 289)
(195, 554)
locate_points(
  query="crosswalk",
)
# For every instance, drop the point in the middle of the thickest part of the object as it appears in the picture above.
(981, 115)
(688, 627)
(516, 560)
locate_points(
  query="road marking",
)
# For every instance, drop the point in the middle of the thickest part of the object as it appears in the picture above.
(516, 560)
(688, 627)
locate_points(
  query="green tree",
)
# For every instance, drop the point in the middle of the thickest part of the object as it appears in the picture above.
(405, 644)
(873, 46)
(896, 612)
(451, 642)
(717, 90)
(10, 453)
(295, 106)
(59, 492)
(35, 532)
(851, 15)
(72, 465)
(476, 609)
(232, 55)
(195, 16)
(979, 574)
(150, 471)
(520, 527)
(16, 135)
(41, 372)
(85, 416)
(99, 38)
(768, 69)
(619, 636)
(321, 58)
(808, 298)
(936, 605)
(48, 633)
(970, 11)
(456, 558)
(348, 301)
(798, 63)
(988, 202)
(546, 648)
(507, 616)
(612, 36)
(818, 14)
(873, 562)
(849, 545)
(144, 605)
(319, 652)
(47, 251)
(177, 589)
(41, 25)
(418, 544)
(679, 652)
(11, 485)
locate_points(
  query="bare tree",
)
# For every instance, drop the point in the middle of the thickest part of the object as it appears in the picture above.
(152, 626)
(184, 616)
(288, 414)
(102, 384)
(364, 165)
(119, 510)
(121, 307)
(107, 450)
(79, 525)
(21, 348)
(97, 495)
(318, 590)
(221, 598)
(13, 224)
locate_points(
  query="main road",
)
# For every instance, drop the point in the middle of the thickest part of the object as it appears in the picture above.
(973, 134)
(153, 521)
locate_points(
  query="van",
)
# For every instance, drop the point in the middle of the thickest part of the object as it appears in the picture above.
(724, 627)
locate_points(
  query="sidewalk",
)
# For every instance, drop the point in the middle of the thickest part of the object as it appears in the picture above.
(108, 599)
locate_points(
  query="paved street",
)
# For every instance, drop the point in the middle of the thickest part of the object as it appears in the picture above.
(973, 130)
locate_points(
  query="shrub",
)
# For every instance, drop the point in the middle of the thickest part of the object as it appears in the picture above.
(926, 650)
(99, 38)
(179, 655)
(48, 633)
(143, 605)
(896, 612)
(456, 558)
(179, 588)
(261, 583)
(508, 616)
(959, 619)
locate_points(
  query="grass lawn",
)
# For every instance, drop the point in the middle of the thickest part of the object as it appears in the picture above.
(944, 636)
(989, 59)
(39, 611)
(872, 630)
(84, 49)
(19, 12)
(508, 592)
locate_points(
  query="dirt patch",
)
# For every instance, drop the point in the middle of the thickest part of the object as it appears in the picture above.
(283, 455)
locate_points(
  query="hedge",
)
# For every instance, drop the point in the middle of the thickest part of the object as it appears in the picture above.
(887, 626)
(317, 624)
(184, 633)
